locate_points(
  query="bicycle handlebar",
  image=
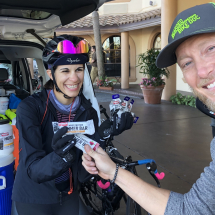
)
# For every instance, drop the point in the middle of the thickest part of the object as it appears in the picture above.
(159, 176)
(150, 163)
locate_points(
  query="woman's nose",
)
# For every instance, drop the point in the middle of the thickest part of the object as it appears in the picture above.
(73, 76)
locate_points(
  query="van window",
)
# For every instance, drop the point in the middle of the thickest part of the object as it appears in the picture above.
(9, 69)
(28, 14)
(35, 75)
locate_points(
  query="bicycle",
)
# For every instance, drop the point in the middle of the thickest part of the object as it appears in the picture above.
(102, 197)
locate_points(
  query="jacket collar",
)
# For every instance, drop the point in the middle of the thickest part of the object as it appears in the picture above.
(85, 104)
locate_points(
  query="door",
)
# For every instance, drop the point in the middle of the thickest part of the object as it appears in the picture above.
(42, 16)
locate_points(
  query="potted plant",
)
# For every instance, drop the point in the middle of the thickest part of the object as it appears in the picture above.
(104, 83)
(153, 83)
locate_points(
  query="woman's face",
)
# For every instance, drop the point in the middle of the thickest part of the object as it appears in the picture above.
(69, 79)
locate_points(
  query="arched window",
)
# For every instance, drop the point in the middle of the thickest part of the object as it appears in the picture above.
(112, 49)
(112, 56)
(157, 42)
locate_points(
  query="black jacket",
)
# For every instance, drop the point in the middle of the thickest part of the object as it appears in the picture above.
(38, 164)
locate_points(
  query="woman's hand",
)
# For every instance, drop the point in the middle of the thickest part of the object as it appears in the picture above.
(64, 146)
(98, 162)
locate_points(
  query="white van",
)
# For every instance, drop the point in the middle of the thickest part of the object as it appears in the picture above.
(23, 25)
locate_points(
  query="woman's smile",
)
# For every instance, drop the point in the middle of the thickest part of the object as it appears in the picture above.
(69, 79)
(72, 87)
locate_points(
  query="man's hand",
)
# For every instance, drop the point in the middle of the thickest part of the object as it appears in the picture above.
(98, 162)
(151, 198)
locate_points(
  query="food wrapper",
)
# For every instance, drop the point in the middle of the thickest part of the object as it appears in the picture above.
(130, 105)
(115, 103)
(86, 127)
(125, 102)
(82, 140)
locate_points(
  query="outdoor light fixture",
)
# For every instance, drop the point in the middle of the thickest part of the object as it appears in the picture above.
(153, 3)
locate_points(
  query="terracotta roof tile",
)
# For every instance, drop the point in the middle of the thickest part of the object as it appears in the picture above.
(114, 19)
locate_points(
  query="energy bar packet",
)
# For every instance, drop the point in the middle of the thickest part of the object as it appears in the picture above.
(130, 105)
(115, 104)
(125, 103)
(135, 117)
(86, 127)
(82, 140)
(123, 109)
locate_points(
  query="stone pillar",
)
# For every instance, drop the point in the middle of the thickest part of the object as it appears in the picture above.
(124, 60)
(168, 14)
(98, 42)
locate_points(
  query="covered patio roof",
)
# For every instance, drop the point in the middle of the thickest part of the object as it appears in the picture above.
(116, 23)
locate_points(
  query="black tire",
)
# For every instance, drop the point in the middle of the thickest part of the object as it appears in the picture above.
(132, 208)
(91, 197)
(94, 199)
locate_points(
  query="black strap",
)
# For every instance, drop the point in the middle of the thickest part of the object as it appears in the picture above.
(55, 83)
(43, 96)
(203, 108)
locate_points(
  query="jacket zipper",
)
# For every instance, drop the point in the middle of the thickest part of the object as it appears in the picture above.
(60, 197)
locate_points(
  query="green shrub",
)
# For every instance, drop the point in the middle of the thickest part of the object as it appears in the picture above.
(179, 99)
(147, 64)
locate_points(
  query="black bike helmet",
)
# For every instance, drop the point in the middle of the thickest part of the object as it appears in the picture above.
(65, 50)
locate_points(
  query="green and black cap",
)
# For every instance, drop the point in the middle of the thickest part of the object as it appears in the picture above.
(195, 20)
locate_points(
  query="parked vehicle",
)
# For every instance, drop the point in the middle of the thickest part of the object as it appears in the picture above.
(23, 25)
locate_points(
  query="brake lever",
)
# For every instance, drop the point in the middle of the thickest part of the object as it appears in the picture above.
(152, 168)
(155, 178)
(103, 110)
(102, 183)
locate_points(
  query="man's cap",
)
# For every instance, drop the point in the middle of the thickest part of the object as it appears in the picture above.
(193, 21)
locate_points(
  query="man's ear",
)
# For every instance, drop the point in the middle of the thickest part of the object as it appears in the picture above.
(49, 73)
(184, 80)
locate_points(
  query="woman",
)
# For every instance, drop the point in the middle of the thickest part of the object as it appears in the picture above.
(50, 166)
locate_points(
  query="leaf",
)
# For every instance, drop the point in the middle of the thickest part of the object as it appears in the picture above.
(183, 100)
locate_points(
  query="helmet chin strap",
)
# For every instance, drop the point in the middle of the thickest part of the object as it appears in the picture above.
(57, 88)
(86, 90)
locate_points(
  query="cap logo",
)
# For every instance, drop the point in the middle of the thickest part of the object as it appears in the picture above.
(181, 25)
(73, 61)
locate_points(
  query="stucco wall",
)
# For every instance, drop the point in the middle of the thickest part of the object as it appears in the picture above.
(142, 39)
(146, 6)
(134, 6)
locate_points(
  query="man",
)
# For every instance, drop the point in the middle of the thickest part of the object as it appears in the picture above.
(192, 46)
(94, 70)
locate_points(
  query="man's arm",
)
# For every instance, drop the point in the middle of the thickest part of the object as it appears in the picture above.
(151, 198)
